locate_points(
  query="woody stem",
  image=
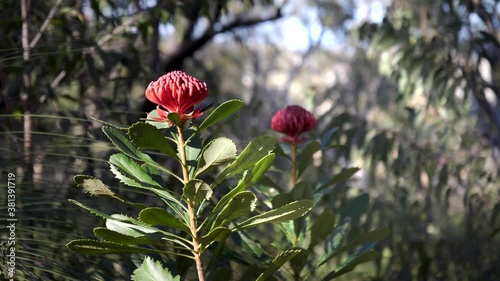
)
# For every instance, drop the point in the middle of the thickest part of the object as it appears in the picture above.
(191, 209)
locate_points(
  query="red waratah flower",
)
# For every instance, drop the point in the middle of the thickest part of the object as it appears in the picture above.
(292, 121)
(177, 92)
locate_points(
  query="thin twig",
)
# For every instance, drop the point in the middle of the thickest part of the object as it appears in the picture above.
(45, 24)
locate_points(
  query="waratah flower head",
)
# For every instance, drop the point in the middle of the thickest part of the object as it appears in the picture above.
(177, 92)
(292, 121)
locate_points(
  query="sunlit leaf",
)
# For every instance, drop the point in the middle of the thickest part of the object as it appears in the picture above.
(217, 152)
(288, 212)
(151, 270)
(95, 247)
(253, 153)
(223, 111)
(132, 169)
(146, 136)
(116, 237)
(92, 186)
(158, 124)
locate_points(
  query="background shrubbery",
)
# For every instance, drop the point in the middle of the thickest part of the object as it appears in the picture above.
(411, 99)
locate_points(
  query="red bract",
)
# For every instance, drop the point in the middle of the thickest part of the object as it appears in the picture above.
(177, 92)
(293, 121)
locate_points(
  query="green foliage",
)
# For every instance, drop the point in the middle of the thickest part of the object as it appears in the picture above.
(217, 152)
(278, 262)
(177, 229)
(146, 136)
(222, 112)
(151, 270)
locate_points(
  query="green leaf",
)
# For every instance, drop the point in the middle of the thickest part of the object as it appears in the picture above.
(125, 179)
(278, 262)
(95, 247)
(327, 136)
(241, 204)
(159, 216)
(304, 159)
(171, 200)
(157, 124)
(342, 176)
(333, 245)
(249, 178)
(282, 199)
(130, 167)
(355, 207)
(146, 136)
(129, 229)
(132, 227)
(218, 233)
(260, 168)
(118, 127)
(197, 191)
(151, 270)
(221, 112)
(91, 210)
(217, 152)
(288, 228)
(351, 263)
(92, 186)
(253, 153)
(174, 118)
(116, 237)
(298, 262)
(154, 173)
(366, 237)
(323, 226)
(302, 191)
(288, 212)
(121, 140)
(249, 245)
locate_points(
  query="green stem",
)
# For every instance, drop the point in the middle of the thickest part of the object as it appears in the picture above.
(294, 183)
(294, 164)
(191, 209)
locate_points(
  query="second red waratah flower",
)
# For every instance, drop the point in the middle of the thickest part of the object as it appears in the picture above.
(177, 92)
(292, 121)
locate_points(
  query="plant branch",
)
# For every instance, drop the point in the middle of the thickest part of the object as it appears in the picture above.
(45, 24)
(189, 46)
(294, 165)
(191, 208)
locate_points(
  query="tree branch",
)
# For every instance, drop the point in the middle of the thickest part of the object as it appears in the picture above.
(189, 46)
(45, 24)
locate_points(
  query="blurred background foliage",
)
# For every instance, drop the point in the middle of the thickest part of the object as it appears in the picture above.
(412, 86)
